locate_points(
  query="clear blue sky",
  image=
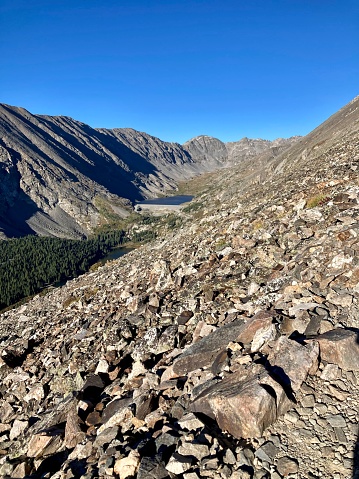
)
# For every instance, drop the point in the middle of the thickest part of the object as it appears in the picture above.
(180, 68)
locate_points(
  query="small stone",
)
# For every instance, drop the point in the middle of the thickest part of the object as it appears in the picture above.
(106, 436)
(152, 468)
(262, 336)
(73, 433)
(190, 422)
(336, 420)
(127, 466)
(179, 464)
(308, 401)
(81, 451)
(102, 366)
(40, 445)
(36, 392)
(93, 418)
(191, 475)
(199, 451)
(229, 457)
(340, 435)
(17, 428)
(291, 417)
(341, 347)
(287, 465)
(330, 372)
(267, 452)
(20, 471)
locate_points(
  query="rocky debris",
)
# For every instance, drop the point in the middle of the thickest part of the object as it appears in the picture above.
(227, 349)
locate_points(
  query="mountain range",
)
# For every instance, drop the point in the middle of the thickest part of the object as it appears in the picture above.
(59, 176)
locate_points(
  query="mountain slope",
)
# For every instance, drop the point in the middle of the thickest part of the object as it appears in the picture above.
(59, 175)
(228, 348)
(57, 167)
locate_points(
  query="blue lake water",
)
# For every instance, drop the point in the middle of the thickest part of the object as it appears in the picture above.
(170, 200)
(115, 253)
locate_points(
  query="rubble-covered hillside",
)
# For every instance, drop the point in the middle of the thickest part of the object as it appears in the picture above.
(226, 349)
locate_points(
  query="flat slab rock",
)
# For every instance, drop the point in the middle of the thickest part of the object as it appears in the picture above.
(246, 402)
(202, 353)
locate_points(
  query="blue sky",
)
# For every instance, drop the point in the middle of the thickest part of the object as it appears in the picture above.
(180, 68)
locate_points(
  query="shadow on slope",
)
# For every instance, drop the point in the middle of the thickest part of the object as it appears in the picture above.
(117, 173)
(14, 223)
(77, 148)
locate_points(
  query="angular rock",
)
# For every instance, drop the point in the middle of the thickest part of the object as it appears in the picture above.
(127, 466)
(73, 432)
(106, 436)
(115, 413)
(17, 428)
(56, 416)
(287, 465)
(41, 445)
(204, 351)
(152, 468)
(179, 464)
(257, 325)
(21, 470)
(243, 405)
(341, 347)
(199, 451)
(190, 422)
(291, 362)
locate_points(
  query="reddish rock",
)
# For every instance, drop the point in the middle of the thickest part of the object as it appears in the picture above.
(243, 406)
(73, 433)
(341, 347)
(259, 321)
(246, 402)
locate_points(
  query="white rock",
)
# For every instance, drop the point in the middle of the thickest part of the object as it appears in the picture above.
(262, 336)
(340, 260)
(102, 366)
(36, 392)
(127, 466)
(179, 464)
(17, 428)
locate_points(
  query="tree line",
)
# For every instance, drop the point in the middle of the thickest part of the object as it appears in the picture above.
(29, 264)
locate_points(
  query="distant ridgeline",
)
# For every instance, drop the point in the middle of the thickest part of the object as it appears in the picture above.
(30, 263)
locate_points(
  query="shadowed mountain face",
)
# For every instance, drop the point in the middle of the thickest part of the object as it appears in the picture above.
(58, 175)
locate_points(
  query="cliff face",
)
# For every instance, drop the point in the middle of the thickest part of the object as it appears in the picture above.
(228, 348)
(57, 172)
(213, 153)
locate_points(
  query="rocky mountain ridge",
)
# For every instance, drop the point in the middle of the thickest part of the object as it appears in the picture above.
(227, 349)
(60, 177)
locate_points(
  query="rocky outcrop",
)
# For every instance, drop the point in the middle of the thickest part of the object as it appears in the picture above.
(227, 349)
(212, 153)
